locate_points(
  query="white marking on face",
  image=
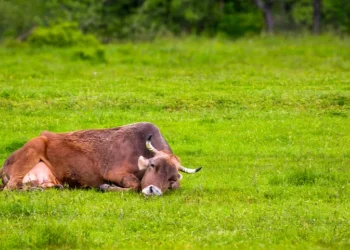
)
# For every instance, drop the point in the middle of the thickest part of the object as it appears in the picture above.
(142, 163)
(151, 190)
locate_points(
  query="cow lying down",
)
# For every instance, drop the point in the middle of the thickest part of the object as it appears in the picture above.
(114, 159)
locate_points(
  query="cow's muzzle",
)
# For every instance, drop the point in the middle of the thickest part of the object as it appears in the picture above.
(152, 190)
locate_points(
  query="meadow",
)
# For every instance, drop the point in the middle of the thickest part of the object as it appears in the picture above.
(268, 118)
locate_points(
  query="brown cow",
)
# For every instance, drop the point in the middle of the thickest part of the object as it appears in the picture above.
(110, 159)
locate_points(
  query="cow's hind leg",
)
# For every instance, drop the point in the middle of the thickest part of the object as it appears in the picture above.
(41, 176)
(33, 187)
(23, 160)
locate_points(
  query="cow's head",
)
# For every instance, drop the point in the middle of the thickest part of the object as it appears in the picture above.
(162, 171)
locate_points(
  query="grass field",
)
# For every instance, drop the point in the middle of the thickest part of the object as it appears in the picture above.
(267, 118)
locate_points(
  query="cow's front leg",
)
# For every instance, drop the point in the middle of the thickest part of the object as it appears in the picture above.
(131, 181)
(124, 182)
(112, 188)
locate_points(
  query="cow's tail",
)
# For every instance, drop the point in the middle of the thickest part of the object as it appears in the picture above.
(3, 177)
(2, 182)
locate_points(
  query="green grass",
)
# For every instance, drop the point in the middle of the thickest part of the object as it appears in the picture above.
(267, 118)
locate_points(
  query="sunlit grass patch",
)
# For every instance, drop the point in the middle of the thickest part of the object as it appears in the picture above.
(266, 118)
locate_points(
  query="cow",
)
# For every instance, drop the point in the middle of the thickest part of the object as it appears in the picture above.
(134, 156)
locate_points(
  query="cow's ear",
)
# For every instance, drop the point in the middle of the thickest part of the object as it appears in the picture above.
(143, 163)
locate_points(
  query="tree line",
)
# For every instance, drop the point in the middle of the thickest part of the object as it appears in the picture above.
(145, 19)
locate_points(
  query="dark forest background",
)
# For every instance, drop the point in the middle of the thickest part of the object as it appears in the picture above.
(111, 20)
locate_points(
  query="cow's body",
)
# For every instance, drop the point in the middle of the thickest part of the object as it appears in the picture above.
(87, 158)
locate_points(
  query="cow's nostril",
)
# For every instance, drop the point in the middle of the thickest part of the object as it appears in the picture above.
(152, 190)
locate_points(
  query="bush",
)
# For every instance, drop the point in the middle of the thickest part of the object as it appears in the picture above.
(239, 24)
(61, 35)
(94, 55)
(13, 43)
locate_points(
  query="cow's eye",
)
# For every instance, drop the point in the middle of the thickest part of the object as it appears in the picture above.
(152, 165)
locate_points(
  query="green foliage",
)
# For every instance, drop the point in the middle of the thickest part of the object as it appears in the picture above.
(302, 13)
(194, 16)
(266, 117)
(149, 19)
(61, 35)
(14, 43)
(86, 13)
(240, 22)
(336, 15)
(118, 19)
(18, 16)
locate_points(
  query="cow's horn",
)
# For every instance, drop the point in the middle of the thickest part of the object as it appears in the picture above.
(189, 170)
(149, 145)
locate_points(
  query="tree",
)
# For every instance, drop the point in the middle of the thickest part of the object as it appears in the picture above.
(317, 8)
(266, 8)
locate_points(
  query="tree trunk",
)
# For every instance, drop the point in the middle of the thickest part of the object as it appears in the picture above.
(266, 8)
(317, 5)
(168, 13)
(269, 21)
(221, 6)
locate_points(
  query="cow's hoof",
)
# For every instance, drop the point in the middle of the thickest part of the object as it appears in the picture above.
(36, 189)
(104, 187)
(59, 186)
